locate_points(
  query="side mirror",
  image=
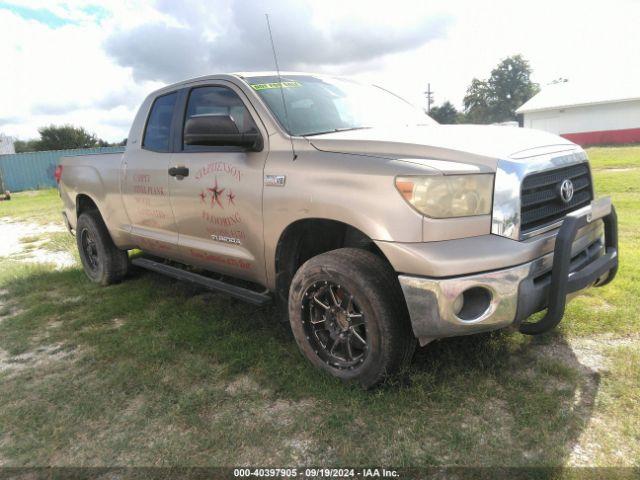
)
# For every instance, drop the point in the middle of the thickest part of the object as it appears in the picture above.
(219, 131)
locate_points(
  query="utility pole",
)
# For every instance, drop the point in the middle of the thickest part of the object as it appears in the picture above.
(429, 94)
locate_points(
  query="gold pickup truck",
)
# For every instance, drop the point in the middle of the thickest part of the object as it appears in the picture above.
(371, 226)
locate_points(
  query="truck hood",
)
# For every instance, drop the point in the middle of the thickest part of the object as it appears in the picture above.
(472, 144)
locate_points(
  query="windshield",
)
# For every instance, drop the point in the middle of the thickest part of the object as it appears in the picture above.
(318, 105)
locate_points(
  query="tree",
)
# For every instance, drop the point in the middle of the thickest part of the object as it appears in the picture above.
(476, 102)
(496, 99)
(65, 137)
(445, 113)
(22, 146)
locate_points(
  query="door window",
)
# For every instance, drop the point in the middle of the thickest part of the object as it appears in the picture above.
(218, 101)
(158, 130)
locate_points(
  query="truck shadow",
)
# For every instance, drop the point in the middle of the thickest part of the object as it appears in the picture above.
(537, 393)
(500, 395)
(491, 399)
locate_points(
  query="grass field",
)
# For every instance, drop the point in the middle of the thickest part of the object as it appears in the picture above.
(155, 372)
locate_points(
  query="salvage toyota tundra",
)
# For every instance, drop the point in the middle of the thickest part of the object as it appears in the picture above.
(372, 226)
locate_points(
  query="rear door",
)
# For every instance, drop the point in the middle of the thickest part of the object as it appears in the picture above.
(218, 206)
(145, 181)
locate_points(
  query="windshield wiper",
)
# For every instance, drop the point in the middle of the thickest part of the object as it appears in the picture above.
(345, 129)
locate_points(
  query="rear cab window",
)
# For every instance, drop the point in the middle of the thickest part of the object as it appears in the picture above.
(157, 133)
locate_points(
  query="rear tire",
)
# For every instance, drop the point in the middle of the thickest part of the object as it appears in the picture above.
(349, 318)
(103, 262)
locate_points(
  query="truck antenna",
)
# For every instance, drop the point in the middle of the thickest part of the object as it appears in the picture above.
(284, 104)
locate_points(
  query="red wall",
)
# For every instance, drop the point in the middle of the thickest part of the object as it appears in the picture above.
(628, 135)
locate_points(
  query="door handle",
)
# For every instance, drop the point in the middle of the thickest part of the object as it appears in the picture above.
(179, 171)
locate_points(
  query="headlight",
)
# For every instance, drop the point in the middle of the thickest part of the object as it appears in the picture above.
(446, 196)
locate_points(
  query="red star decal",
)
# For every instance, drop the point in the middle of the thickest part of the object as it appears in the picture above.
(231, 197)
(203, 196)
(216, 193)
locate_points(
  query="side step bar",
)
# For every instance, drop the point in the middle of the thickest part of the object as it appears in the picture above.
(240, 293)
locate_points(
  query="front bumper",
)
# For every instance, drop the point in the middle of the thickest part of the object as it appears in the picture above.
(488, 301)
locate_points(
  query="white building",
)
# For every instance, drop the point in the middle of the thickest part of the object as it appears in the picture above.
(6, 144)
(586, 115)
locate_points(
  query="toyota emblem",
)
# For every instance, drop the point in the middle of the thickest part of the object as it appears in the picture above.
(566, 190)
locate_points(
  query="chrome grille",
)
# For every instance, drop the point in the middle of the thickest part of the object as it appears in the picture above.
(541, 204)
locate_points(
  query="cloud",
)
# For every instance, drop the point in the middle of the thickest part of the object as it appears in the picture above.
(93, 70)
(159, 52)
(55, 108)
(232, 37)
(10, 120)
(81, 85)
(129, 96)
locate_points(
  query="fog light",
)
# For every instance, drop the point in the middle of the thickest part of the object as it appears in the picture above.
(472, 304)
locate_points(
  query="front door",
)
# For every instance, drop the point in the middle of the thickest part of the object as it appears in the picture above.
(145, 182)
(218, 205)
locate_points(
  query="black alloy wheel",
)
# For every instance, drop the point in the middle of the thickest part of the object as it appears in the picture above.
(90, 249)
(349, 318)
(335, 325)
(103, 262)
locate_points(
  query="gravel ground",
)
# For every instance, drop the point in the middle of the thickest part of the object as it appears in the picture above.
(11, 234)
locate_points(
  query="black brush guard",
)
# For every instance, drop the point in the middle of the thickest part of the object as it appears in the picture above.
(564, 283)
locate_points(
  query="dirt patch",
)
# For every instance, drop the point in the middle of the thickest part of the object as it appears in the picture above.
(595, 442)
(280, 411)
(135, 405)
(617, 169)
(587, 355)
(60, 259)
(39, 358)
(590, 351)
(300, 451)
(72, 300)
(285, 412)
(602, 306)
(585, 450)
(242, 385)
(117, 323)
(9, 312)
(31, 251)
(54, 324)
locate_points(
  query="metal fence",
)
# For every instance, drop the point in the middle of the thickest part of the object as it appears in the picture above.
(34, 170)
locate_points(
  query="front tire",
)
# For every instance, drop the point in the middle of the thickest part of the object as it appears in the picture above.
(103, 262)
(349, 318)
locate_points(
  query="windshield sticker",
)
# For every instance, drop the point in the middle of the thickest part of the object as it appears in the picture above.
(265, 86)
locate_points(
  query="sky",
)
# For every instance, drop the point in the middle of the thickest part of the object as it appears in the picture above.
(91, 63)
